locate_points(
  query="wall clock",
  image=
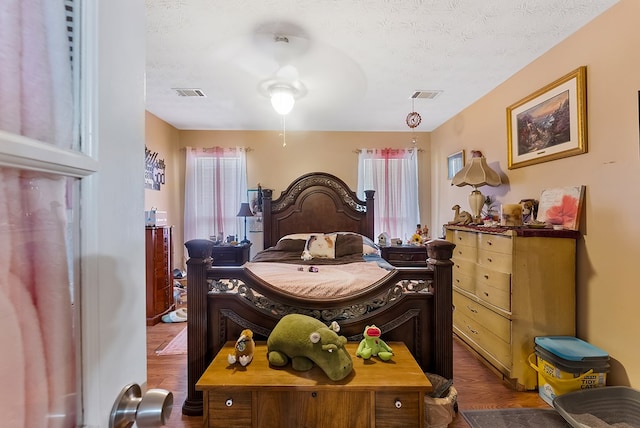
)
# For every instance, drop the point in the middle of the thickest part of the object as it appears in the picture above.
(413, 119)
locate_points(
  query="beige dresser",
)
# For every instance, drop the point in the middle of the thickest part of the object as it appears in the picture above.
(509, 286)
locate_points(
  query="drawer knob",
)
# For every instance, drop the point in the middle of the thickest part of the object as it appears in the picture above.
(398, 403)
(475, 311)
(486, 277)
(229, 402)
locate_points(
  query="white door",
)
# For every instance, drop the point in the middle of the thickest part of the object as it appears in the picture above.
(103, 200)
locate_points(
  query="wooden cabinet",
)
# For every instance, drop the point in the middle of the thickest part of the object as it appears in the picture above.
(509, 286)
(405, 255)
(230, 255)
(159, 262)
(392, 393)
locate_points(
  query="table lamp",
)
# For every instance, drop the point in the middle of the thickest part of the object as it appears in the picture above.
(476, 173)
(245, 212)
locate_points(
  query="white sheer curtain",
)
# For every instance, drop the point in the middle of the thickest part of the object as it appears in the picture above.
(215, 186)
(393, 174)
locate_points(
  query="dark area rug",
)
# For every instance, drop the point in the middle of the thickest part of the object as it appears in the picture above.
(514, 418)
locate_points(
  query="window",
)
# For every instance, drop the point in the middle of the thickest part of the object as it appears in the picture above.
(215, 186)
(393, 174)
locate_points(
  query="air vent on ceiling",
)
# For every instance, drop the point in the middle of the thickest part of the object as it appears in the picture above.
(428, 95)
(189, 92)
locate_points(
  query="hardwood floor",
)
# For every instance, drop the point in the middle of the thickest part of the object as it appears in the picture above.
(477, 386)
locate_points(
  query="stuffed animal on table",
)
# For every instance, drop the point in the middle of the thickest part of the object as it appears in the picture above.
(372, 345)
(244, 348)
(306, 341)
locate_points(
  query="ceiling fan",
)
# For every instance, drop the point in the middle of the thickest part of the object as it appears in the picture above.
(286, 65)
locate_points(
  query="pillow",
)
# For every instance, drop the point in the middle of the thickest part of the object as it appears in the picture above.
(370, 249)
(320, 246)
(293, 245)
(348, 244)
(368, 246)
(304, 236)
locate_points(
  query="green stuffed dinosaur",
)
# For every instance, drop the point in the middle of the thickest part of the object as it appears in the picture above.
(307, 341)
(372, 345)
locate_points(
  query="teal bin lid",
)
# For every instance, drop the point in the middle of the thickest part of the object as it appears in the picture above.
(570, 348)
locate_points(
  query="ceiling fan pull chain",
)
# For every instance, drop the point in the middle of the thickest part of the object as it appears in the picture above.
(284, 131)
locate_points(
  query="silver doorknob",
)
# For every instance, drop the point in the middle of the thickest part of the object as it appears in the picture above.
(151, 410)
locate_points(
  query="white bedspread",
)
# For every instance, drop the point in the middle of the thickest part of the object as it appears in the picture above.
(329, 281)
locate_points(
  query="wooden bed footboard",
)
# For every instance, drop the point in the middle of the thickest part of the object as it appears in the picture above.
(414, 306)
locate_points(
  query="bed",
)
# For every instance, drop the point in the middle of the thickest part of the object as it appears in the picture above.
(409, 304)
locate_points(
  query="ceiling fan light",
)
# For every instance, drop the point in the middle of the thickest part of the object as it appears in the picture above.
(282, 99)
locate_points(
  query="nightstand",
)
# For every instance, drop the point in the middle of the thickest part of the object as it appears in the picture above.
(230, 255)
(405, 255)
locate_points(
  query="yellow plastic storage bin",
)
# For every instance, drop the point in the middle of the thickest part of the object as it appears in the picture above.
(566, 364)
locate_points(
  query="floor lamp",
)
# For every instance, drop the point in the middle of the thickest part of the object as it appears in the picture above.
(476, 173)
(245, 212)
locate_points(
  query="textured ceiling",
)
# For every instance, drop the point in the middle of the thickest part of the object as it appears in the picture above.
(359, 60)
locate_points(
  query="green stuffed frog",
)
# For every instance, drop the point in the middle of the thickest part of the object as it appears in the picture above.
(372, 345)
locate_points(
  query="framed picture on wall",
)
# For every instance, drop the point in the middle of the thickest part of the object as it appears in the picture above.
(549, 124)
(455, 162)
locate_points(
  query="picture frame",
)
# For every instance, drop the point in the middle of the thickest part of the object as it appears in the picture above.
(561, 206)
(455, 162)
(549, 124)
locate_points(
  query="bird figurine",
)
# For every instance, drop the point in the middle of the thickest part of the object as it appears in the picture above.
(244, 349)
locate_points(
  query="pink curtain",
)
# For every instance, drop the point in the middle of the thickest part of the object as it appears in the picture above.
(38, 367)
(393, 174)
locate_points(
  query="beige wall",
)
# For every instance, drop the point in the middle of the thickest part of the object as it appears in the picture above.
(275, 166)
(163, 138)
(607, 290)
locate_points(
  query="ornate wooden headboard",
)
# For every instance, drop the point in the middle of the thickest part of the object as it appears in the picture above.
(316, 202)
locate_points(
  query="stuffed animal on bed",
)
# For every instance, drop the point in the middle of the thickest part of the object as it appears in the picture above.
(244, 349)
(306, 341)
(372, 345)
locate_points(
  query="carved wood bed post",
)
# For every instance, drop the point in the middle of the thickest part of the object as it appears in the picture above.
(439, 253)
(197, 290)
(370, 212)
(267, 195)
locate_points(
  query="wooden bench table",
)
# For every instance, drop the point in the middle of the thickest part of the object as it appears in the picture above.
(375, 394)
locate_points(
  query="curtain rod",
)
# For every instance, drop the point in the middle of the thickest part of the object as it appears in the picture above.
(358, 151)
(246, 149)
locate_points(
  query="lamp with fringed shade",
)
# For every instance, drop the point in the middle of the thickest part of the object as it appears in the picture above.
(476, 174)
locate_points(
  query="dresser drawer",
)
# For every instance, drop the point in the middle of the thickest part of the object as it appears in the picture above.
(494, 287)
(405, 255)
(484, 318)
(460, 237)
(497, 243)
(465, 267)
(463, 252)
(489, 343)
(495, 261)
(465, 282)
(228, 409)
(406, 414)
